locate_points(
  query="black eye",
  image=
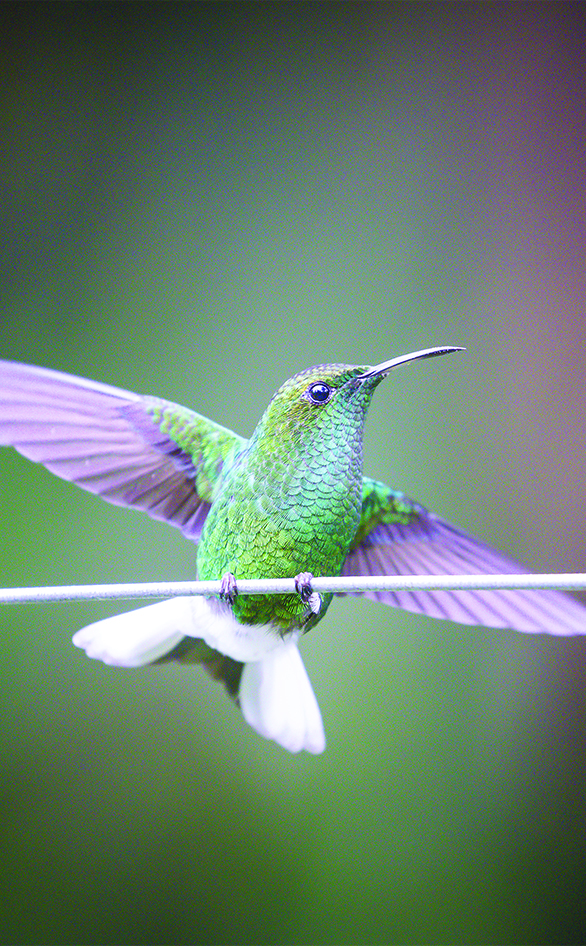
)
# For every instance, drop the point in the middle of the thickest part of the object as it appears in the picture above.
(319, 392)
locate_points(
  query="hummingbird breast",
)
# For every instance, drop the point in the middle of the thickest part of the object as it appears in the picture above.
(275, 518)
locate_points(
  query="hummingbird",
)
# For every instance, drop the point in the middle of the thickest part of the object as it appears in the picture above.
(290, 502)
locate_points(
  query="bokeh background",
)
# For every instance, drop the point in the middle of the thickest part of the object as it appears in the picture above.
(198, 201)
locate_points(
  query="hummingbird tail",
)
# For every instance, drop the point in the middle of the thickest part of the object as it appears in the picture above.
(138, 637)
(273, 690)
(277, 699)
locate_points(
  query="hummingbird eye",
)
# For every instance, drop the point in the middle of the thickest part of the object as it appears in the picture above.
(319, 392)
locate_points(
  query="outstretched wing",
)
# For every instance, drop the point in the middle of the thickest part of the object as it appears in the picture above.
(132, 450)
(397, 536)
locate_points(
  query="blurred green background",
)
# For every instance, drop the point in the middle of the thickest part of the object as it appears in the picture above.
(197, 202)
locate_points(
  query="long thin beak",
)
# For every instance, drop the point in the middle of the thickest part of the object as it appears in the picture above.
(386, 366)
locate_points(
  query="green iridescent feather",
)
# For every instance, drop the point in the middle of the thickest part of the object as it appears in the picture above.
(291, 500)
(208, 445)
(380, 504)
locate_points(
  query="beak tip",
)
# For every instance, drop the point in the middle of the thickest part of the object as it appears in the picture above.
(384, 368)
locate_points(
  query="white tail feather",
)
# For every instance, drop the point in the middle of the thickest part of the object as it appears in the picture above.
(275, 694)
(278, 701)
(136, 637)
(141, 636)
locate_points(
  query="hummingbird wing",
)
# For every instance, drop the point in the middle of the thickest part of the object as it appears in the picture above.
(397, 536)
(132, 450)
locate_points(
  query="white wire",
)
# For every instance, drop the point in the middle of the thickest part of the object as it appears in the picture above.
(169, 589)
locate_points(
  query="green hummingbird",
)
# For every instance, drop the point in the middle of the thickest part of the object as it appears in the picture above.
(290, 502)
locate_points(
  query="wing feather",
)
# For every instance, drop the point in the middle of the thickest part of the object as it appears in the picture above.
(132, 450)
(397, 536)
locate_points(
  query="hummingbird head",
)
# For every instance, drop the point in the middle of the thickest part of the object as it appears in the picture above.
(328, 401)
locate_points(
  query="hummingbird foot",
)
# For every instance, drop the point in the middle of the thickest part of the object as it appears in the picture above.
(228, 589)
(305, 592)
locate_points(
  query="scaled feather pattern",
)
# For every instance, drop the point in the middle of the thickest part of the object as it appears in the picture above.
(290, 500)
